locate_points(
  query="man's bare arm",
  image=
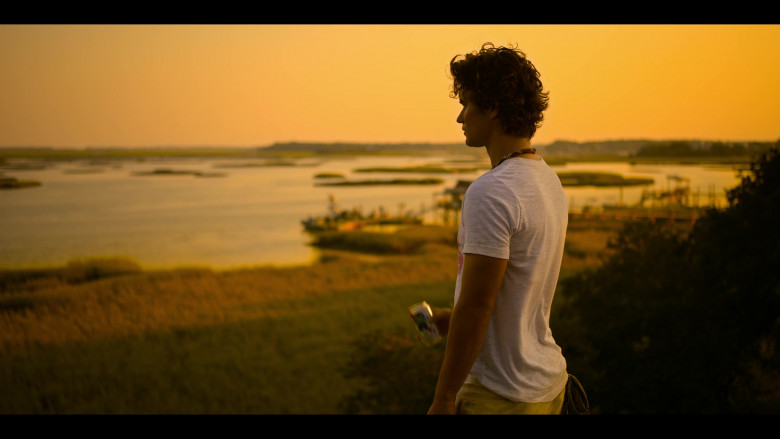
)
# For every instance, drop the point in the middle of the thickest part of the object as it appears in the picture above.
(480, 282)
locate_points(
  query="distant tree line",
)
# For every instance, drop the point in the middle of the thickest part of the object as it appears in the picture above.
(683, 148)
(351, 148)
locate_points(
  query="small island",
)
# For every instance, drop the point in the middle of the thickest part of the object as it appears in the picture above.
(173, 172)
(15, 183)
(400, 181)
(329, 175)
(272, 163)
(601, 179)
(81, 171)
(427, 169)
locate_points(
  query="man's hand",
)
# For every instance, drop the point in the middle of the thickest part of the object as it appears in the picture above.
(442, 408)
(441, 318)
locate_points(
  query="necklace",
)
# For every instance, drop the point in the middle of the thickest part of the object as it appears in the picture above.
(515, 154)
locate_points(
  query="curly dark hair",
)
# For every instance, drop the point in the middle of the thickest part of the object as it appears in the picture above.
(502, 79)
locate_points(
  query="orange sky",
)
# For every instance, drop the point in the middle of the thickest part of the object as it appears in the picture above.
(247, 85)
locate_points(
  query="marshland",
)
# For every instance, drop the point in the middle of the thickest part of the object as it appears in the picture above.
(165, 293)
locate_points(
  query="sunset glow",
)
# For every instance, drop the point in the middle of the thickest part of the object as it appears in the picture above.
(247, 85)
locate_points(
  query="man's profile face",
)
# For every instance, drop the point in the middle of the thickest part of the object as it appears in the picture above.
(478, 126)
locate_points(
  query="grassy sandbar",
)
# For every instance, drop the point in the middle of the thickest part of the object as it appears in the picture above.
(601, 179)
(15, 183)
(429, 169)
(397, 181)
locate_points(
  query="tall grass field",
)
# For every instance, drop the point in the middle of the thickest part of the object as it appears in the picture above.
(106, 337)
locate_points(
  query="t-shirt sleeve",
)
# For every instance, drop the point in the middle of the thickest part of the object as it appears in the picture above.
(490, 216)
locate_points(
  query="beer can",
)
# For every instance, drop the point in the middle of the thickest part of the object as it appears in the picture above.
(422, 315)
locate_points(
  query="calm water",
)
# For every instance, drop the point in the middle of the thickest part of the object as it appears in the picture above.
(249, 216)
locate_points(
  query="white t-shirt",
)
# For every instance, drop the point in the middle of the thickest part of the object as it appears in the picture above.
(518, 211)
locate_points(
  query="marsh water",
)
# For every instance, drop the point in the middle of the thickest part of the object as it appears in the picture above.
(226, 214)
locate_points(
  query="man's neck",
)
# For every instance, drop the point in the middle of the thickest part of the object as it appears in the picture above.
(502, 145)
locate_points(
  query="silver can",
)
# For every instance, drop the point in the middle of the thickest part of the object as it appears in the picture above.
(422, 315)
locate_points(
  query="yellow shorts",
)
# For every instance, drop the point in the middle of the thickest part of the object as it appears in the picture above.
(474, 399)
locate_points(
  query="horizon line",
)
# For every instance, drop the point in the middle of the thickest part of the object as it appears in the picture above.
(385, 143)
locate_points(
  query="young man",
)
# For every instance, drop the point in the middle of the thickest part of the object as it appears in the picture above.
(501, 356)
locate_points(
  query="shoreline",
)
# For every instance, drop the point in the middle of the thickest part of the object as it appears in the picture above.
(365, 245)
(376, 247)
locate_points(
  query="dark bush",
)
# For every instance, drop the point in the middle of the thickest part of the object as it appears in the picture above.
(678, 322)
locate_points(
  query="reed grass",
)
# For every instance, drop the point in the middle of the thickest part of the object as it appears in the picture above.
(199, 341)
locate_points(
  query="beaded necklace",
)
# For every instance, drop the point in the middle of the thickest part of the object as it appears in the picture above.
(515, 154)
